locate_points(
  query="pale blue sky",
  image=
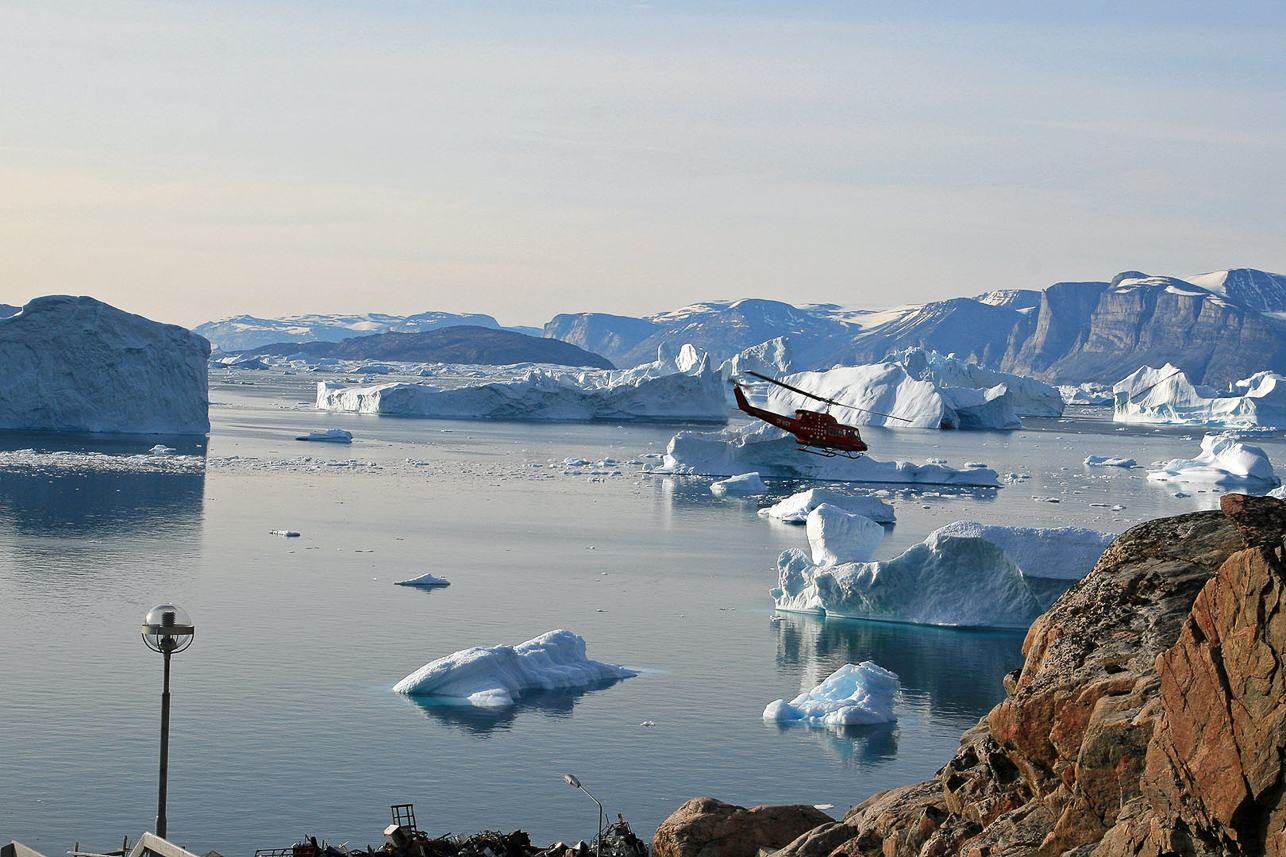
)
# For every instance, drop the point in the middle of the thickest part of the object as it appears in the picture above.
(191, 161)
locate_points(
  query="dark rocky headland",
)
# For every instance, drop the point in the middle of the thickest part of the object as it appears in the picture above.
(1148, 719)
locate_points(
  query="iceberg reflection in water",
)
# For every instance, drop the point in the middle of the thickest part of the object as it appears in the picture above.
(480, 720)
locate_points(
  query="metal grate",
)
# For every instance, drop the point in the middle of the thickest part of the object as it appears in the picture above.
(404, 815)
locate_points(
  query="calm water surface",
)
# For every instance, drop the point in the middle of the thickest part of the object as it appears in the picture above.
(283, 721)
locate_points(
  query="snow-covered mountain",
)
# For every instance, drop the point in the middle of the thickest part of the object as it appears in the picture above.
(243, 332)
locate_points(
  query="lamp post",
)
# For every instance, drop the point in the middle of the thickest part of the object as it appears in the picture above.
(166, 629)
(598, 841)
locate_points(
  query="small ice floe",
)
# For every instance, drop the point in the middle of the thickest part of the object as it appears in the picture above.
(648, 724)
(853, 695)
(328, 436)
(744, 484)
(497, 676)
(1224, 460)
(162, 449)
(424, 580)
(795, 508)
(1106, 461)
(285, 534)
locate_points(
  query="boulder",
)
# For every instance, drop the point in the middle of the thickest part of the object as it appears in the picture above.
(705, 827)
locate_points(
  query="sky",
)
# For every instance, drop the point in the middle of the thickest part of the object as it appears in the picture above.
(191, 161)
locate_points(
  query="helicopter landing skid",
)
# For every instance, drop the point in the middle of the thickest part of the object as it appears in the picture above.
(823, 452)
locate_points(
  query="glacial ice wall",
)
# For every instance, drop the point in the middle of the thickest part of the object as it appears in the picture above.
(78, 364)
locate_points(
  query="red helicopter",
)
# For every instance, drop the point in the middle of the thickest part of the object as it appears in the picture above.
(817, 433)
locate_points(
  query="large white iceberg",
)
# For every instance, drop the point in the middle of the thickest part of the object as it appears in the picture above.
(853, 695)
(1027, 396)
(1166, 396)
(961, 575)
(77, 364)
(497, 676)
(743, 484)
(678, 387)
(795, 508)
(772, 452)
(884, 394)
(837, 536)
(1224, 460)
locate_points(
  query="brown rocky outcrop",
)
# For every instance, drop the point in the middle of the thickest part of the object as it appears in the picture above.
(705, 827)
(1149, 717)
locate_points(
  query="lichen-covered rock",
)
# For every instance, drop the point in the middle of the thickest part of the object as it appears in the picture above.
(705, 827)
(1148, 719)
(77, 364)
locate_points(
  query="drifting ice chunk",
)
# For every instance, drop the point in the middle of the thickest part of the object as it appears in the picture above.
(495, 677)
(1166, 395)
(774, 453)
(329, 436)
(853, 695)
(1224, 460)
(838, 536)
(795, 508)
(424, 580)
(743, 484)
(1088, 393)
(674, 388)
(1104, 461)
(1063, 553)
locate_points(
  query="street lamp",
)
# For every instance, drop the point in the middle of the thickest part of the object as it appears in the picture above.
(598, 841)
(166, 629)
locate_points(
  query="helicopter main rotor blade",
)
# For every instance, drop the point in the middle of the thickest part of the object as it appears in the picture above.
(823, 398)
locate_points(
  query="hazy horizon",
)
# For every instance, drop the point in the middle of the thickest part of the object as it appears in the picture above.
(194, 161)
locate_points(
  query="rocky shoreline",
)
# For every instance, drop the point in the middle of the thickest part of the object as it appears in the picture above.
(1148, 719)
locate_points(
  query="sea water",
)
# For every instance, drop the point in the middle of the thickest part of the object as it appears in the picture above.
(283, 721)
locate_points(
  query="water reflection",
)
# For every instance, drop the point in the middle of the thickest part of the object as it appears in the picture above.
(475, 720)
(957, 673)
(852, 746)
(97, 503)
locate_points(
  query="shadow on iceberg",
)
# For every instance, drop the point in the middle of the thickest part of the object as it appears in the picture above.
(482, 720)
(852, 746)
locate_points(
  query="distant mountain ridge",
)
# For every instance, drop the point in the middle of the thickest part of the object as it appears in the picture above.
(460, 343)
(244, 332)
(1217, 327)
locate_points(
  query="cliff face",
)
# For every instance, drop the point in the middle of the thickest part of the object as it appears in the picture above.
(1149, 717)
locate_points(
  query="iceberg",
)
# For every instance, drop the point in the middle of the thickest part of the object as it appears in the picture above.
(1166, 396)
(853, 695)
(328, 436)
(795, 508)
(771, 452)
(1223, 460)
(1027, 396)
(495, 677)
(771, 358)
(744, 484)
(1089, 393)
(675, 387)
(425, 580)
(965, 574)
(78, 364)
(1107, 461)
(837, 536)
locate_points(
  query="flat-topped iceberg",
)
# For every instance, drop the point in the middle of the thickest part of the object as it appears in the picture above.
(1166, 396)
(795, 508)
(836, 536)
(680, 387)
(497, 676)
(961, 575)
(1224, 460)
(771, 452)
(1027, 396)
(853, 695)
(77, 364)
(328, 436)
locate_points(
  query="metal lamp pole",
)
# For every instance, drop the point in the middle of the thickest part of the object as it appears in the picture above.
(166, 629)
(598, 841)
